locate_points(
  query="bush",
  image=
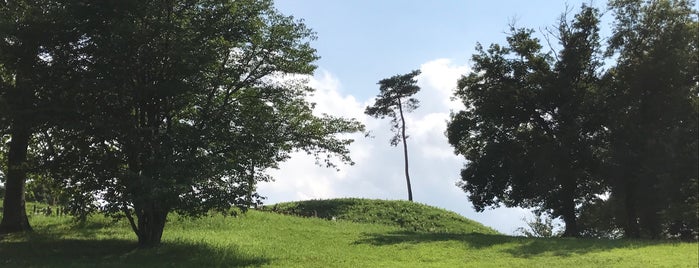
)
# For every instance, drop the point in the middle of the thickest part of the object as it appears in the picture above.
(539, 226)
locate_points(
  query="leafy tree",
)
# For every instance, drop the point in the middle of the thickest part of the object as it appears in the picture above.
(178, 99)
(17, 88)
(41, 186)
(34, 35)
(653, 97)
(530, 128)
(267, 136)
(395, 97)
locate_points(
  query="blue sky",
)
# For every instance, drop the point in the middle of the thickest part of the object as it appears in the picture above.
(363, 41)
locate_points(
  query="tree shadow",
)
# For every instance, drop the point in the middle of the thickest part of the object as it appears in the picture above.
(474, 240)
(73, 229)
(568, 246)
(324, 209)
(521, 247)
(49, 252)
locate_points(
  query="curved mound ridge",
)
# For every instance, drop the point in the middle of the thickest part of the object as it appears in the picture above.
(408, 215)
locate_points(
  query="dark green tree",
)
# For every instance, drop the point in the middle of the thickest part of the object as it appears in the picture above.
(530, 126)
(177, 99)
(394, 98)
(17, 87)
(653, 98)
(34, 36)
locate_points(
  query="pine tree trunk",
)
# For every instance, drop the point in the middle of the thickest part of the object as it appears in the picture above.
(405, 151)
(14, 218)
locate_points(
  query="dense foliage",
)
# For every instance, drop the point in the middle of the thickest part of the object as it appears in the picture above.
(167, 105)
(33, 35)
(603, 149)
(653, 99)
(529, 134)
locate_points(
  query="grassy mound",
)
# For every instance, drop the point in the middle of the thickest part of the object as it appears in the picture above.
(407, 215)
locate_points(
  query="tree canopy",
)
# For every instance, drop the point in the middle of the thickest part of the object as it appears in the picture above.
(601, 148)
(528, 132)
(653, 95)
(172, 101)
(34, 36)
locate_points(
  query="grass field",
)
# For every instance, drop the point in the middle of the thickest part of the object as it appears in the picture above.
(407, 215)
(261, 238)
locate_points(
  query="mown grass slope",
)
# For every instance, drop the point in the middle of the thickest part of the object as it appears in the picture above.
(275, 240)
(407, 215)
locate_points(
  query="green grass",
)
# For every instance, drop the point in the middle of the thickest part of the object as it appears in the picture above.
(270, 239)
(407, 215)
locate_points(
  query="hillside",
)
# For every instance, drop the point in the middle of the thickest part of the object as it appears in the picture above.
(265, 239)
(410, 216)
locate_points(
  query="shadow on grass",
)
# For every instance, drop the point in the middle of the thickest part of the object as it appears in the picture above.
(56, 231)
(324, 209)
(474, 240)
(37, 251)
(516, 246)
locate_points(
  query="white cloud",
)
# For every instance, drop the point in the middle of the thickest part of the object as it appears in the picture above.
(378, 173)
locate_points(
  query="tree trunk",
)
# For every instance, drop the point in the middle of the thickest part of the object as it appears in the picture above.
(150, 211)
(570, 220)
(251, 184)
(21, 99)
(151, 222)
(568, 212)
(14, 218)
(631, 228)
(405, 151)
